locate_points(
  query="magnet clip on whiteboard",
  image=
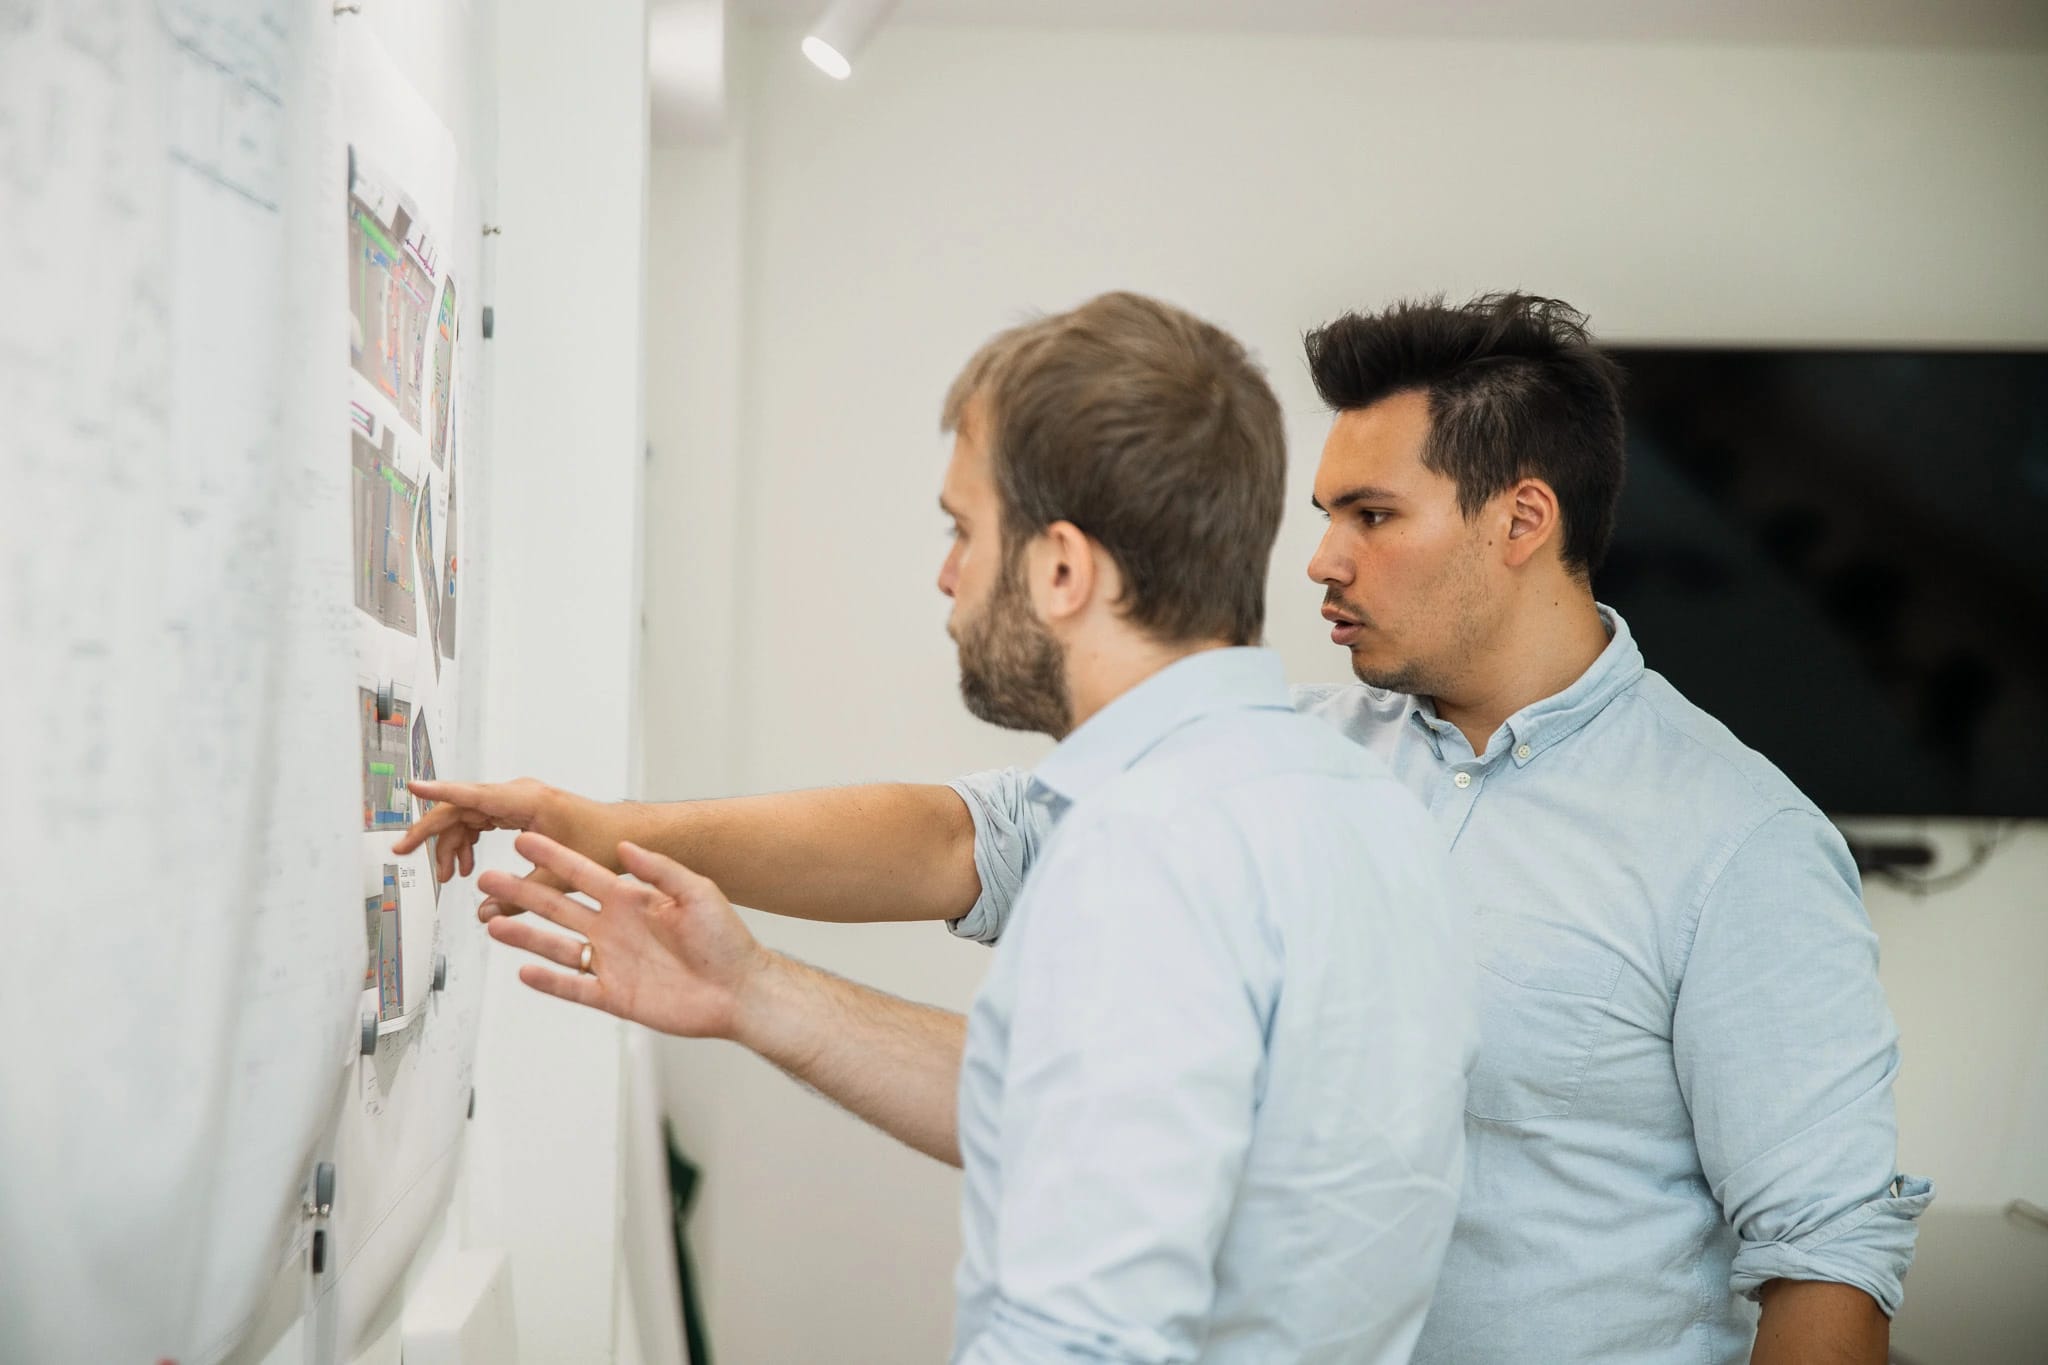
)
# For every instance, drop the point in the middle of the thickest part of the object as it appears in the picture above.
(319, 1208)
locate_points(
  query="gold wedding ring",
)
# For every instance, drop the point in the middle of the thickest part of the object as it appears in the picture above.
(584, 965)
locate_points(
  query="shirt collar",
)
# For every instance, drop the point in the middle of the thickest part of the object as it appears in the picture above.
(1541, 724)
(1537, 726)
(1187, 689)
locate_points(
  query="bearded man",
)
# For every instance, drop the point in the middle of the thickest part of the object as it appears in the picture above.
(1209, 1106)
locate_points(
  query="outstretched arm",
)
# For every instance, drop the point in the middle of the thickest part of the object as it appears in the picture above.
(667, 950)
(894, 851)
(888, 1061)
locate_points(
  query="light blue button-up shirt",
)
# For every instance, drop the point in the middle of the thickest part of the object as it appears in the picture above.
(1684, 1087)
(1210, 1103)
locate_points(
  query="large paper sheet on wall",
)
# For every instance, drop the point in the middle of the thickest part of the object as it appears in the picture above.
(195, 816)
(173, 814)
(412, 253)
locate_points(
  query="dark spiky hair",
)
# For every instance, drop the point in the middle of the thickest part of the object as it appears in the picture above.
(1516, 387)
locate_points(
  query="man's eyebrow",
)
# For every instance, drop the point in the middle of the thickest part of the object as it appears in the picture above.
(1362, 493)
(947, 508)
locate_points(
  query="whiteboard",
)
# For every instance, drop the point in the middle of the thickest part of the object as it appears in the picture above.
(182, 795)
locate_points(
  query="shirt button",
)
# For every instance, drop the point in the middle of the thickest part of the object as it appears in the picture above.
(1463, 779)
(1522, 751)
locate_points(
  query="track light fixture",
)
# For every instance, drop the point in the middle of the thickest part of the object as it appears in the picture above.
(841, 32)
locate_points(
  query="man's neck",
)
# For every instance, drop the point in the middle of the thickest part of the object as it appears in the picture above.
(1547, 644)
(1102, 669)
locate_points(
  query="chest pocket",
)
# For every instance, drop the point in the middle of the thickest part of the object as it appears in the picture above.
(1543, 994)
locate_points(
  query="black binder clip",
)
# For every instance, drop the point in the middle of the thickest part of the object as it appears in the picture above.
(320, 1208)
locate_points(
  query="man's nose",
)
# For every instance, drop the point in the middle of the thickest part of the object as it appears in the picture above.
(1327, 566)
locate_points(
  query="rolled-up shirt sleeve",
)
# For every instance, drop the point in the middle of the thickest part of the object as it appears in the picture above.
(1786, 1054)
(1009, 829)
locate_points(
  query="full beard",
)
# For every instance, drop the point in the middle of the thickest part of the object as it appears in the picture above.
(1012, 671)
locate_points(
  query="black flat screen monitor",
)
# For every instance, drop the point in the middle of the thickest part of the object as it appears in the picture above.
(1843, 556)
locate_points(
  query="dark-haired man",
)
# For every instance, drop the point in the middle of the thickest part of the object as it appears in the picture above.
(1683, 1097)
(1214, 1080)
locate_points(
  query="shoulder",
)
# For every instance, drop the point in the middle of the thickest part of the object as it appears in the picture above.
(1327, 701)
(1226, 802)
(1351, 709)
(1759, 830)
(1692, 746)
(1225, 760)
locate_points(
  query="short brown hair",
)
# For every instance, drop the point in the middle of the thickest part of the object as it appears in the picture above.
(1156, 435)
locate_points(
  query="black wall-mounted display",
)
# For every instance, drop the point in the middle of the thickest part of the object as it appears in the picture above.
(1843, 555)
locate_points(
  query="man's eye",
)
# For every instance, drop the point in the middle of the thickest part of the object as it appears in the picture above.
(1372, 517)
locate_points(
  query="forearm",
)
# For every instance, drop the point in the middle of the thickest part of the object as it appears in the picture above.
(888, 851)
(1808, 1322)
(890, 1062)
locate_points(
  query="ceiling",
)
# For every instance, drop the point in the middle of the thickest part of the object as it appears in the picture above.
(1851, 23)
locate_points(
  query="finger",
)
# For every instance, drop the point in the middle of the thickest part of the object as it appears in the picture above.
(492, 908)
(460, 843)
(665, 873)
(571, 867)
(559, 948)
(527, 893)
(486, 805)
(491, 798)
(447, 846)
(573, 986)
(448, 851)
(435, 821)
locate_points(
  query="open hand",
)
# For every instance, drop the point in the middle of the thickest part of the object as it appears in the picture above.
(666, 947)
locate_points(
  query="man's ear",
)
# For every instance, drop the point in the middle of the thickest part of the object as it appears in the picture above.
(1065, 574)
(1534, 521)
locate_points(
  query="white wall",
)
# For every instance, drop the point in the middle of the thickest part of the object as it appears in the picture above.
(819, 276)
(1966, 972)
(567, 455)
(551, 119)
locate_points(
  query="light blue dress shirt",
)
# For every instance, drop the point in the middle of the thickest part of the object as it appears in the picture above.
(1684, 1087)
(1210, 1106)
